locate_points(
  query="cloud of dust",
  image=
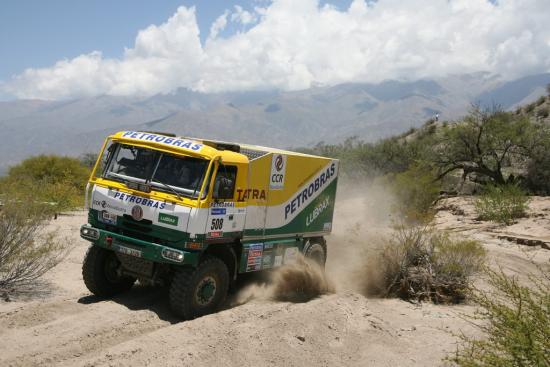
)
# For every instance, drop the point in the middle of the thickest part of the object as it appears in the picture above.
(297, 282)
(362, 222)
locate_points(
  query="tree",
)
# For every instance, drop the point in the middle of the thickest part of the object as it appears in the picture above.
(485, 142)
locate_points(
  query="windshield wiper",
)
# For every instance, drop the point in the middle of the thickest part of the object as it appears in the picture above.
(169, 188)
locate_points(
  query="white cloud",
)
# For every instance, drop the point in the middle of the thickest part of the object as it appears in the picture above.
(219, 24)
(242, 16)
(295, 44)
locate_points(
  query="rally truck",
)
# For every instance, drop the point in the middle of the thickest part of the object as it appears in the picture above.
(195, 214)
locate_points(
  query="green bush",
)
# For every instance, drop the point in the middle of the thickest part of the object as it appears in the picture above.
(541, 100)
(415, 191)
(537, 179)
(419, 263)
(56, 182)
(501, 204)
(529, 108)
(515, 320)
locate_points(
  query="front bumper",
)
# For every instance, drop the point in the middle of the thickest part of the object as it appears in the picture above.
(138, 248)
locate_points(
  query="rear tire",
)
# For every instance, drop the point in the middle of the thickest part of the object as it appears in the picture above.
(200, 291)
(100, 273)
(316, 251)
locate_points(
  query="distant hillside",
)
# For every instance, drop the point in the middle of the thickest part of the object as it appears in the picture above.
(281, 119)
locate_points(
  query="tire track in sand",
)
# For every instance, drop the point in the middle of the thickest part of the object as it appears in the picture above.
(47, 333)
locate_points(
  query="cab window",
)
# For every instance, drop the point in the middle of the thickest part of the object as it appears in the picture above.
(224, 185)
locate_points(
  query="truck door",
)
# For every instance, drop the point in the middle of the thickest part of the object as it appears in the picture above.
(225, 216)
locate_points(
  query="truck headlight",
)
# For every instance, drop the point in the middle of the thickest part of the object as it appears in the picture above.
(89, 232)
(173, 255)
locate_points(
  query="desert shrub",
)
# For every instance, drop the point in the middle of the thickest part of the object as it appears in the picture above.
(57, 182)
(529, 108)
(419, 263)
(541, 100)
(27, 251)
(537, 179)
(515, 321)
(415, 191)
(88, 159)
(501, 204)
(543, 113)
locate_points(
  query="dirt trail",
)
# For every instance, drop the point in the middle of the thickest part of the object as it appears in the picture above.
(68, 327)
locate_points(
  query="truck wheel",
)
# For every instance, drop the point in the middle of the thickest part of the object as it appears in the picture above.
(316, 251)
(100, 273)
(200, 291)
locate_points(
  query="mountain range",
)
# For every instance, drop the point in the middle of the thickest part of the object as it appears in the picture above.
(273, 118)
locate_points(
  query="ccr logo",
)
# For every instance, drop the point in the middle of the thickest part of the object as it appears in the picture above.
(277, 175)
(279, 163)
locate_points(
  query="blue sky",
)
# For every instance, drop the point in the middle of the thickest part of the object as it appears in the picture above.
(40, 32)
(59, 49)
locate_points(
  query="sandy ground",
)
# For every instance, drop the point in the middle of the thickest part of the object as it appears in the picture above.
(67, 326)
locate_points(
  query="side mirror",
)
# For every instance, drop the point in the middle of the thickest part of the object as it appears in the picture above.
(223, 188)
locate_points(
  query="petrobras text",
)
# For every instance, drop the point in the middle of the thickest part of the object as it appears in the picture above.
(309, 191)
(175, 142)
(139, 200)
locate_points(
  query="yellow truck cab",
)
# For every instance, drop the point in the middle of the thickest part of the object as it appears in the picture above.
(196, 213)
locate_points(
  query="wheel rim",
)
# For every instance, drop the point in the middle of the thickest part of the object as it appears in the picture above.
(205, 291)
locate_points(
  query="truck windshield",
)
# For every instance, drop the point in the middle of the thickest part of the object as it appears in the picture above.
(178, 175)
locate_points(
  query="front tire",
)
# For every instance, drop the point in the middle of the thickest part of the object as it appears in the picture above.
(100, 273)
(200, 291)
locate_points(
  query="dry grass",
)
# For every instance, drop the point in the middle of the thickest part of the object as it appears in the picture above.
(419, 263)
(26, 250)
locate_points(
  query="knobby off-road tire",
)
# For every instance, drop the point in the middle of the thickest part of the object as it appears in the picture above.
(200, 291)
(99, 271)
(315, 251)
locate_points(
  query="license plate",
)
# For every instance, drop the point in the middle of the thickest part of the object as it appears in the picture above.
(128, 251)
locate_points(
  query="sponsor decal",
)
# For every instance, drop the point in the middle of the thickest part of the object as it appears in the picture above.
(256, 246)
(254, 261)
(317, 211)
(137, 213)
(305, 195)
(166, 140)
(327, 226)
(254, 253)
(106, 217)
(168, 219)
(127, 198)
(222, 204)
(105, 205)
(278, 169)
(254, 194)
(217, 234)
(218, 211)
(266, 262)
(278, 260)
